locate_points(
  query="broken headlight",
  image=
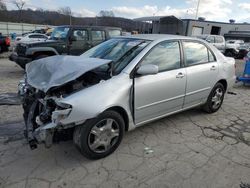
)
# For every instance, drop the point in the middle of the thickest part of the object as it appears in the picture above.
(61, 112)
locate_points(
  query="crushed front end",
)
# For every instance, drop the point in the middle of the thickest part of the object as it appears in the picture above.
(45, 86)
(43, 114)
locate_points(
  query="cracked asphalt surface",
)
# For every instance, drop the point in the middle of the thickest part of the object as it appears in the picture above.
(190, 149)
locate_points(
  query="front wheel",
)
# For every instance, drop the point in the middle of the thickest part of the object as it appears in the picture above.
(99, 137)
(215, 99)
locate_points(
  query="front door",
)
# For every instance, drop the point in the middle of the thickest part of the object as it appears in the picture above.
(202, 71)
(162, 93)
(79, 42)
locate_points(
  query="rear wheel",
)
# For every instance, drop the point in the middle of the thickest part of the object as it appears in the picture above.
(215, 99)
(99, 137)
(0, 49)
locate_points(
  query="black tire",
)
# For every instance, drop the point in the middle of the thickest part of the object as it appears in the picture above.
(41, 56)
(82, 134)
(0, 49)
(210, 106)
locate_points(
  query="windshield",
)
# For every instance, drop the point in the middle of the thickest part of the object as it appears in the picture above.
(59, 33)
(120, 50)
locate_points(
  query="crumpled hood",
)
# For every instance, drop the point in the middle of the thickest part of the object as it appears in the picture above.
(49, 72)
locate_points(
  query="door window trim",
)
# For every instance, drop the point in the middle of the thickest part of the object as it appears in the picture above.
(200, 42)
(133, 72)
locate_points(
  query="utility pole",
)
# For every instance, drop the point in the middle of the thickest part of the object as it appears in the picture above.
(197, 9)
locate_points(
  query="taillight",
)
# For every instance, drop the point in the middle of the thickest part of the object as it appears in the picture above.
(7, 41)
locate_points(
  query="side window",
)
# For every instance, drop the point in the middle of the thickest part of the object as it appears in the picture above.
(166, 55)
(210, 39)
(195, 53)
(42, 37)
(114, 33)
(218, 39)
(80, 35)
(98, 35)
(33, 36)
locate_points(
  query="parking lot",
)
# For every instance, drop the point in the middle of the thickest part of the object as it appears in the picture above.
(190, 149)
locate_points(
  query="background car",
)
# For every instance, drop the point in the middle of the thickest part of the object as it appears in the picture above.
(243, 50)
(4, 43)
(31, 38)
(119, 85)
(71, 40)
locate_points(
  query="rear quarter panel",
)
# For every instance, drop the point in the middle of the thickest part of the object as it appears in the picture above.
(226, 68)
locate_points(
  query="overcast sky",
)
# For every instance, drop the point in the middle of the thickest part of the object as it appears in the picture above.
(217, 10)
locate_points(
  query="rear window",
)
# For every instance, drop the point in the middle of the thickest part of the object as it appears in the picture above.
(114, 33)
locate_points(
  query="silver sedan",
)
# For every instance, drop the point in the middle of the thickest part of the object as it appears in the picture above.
(119, 85)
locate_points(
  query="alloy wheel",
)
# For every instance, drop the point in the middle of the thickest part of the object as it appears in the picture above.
(217, 98)
(103, 135)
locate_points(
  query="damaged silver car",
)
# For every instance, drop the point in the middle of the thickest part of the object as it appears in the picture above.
(119, 85)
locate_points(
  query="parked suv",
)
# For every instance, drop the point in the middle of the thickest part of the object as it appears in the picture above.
(65, 40)
(119, 85)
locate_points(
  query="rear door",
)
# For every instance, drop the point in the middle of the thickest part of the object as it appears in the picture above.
(97, 36)
(79, 41)
(162, 93)
(202, 72)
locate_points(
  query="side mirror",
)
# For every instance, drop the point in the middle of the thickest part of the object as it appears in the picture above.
(148, 69)
(208, 40)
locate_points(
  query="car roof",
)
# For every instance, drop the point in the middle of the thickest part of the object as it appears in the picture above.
(158, 37)
(207, 35)
(87, 26)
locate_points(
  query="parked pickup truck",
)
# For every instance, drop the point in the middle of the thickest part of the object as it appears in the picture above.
(228, 48)
(4, 43)
(64, 40)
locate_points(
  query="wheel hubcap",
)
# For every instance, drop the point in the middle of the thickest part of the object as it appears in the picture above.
(103, 135)
(217, 98)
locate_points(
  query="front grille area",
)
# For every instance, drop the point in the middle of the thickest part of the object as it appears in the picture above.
(20, 49)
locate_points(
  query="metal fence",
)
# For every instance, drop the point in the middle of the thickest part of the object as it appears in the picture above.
(7, 28)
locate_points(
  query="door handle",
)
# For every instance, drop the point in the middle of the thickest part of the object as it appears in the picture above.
(180, 75)
(213, 68)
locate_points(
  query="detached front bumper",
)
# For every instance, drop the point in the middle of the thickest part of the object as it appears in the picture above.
(21, 61)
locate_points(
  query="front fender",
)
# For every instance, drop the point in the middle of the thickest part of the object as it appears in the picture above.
(90, 102)
(31, 51)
